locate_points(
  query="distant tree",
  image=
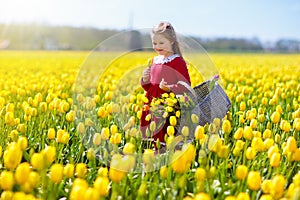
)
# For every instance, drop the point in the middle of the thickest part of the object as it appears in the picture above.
(288, 45)
(135, 41)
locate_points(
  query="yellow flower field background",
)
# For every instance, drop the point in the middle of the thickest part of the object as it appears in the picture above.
(253, 153)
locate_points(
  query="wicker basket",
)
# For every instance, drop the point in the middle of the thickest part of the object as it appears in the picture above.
(208, 104)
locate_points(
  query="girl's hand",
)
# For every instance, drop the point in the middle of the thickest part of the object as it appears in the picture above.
(163, 86)
(146, 74)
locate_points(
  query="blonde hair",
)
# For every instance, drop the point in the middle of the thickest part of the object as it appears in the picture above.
(167, 30)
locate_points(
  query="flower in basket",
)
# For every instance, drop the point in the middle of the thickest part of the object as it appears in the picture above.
(213, 82)
(171, 104)
(166, 103)
(186, 102)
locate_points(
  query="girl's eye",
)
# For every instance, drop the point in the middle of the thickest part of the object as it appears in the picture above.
(154, 43)
(161, 43)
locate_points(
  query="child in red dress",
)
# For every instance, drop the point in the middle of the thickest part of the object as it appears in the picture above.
(163, 75)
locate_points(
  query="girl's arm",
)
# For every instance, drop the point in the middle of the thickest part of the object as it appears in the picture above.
(145, 85)
(145, 80)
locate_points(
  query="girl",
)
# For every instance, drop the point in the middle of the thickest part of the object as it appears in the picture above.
(162, 76)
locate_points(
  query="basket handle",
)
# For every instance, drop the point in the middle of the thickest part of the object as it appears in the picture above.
(187, 86)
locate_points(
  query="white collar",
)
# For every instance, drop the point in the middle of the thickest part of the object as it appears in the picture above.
(162, 60)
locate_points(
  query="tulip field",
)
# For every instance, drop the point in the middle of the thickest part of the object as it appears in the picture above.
(52, 148)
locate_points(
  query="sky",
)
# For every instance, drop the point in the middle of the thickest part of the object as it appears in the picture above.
(268, 20)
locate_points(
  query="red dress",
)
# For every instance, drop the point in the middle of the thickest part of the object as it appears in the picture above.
(172, 69)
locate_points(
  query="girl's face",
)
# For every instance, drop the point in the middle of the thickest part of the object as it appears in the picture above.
(162, 45)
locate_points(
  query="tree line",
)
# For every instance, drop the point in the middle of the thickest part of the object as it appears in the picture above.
(44, 37)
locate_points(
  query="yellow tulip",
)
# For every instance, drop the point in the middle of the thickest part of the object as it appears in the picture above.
(163, 172)
(56, 173)
(242, 106)
(253, 123)
(258, 144)
(230, 198)
(194, 118)
(102, 185)
(22, 143)
(148, 156)
(34, 179)
(226, 126)
(177, 113)
(241, 172)
(254, 180)
(185, 131)
(81, 128)
(199, 132)
(9, 118)
(129, 148)
(179, 164)
(296, 124)
(250, 153)
(105, 133)
(296, 155)
(102, 112)
(103, 171)
(152, 126)
(200, 174)
(286, 127)
(214, 143)
(241, 119)
(65, 138)
(170, 130)
(113, 129)
(116, 175)
(239, 145)
(7, 180)
(268, 143)
(49, 154)
(116, 139)
(22, 173)
(79, 189)
(278, 183)
(92, 193)
(139, 114)
(275, 117)
(267, 133)
(212, 172)
(291, 144)
(37, 161)
(80, 170)
(69, 170)
(12, 156)
(70, 116)
(97, 139)
(275, 160)
(266, 197)
(261, 118)
(238, 133)
(223, 152)
(51, 133)
(91, 154)
(21, 128)
(266, 186)
(148, 117)
(173, 120)
(202, 196)
(248, 133)
(142, 189)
